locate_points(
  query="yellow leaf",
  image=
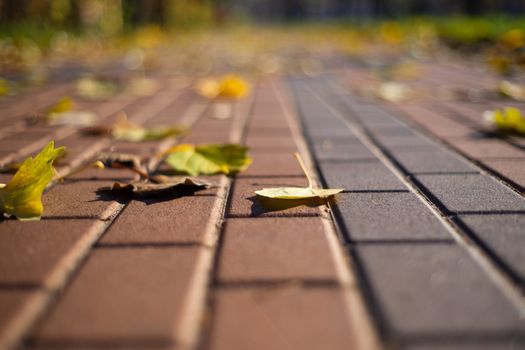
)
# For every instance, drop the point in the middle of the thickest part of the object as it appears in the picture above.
(298, 192)
(22, 196)
(508, 119)
(4, 87)
(65, 104)
(512, 90)
(228, 87)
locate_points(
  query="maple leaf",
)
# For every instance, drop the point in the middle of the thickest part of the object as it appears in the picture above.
(228, 87)
(508, 119)
(208, 159)
(298, 192)
(22, 196)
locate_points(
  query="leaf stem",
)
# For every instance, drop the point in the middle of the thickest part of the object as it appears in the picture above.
(306, 173)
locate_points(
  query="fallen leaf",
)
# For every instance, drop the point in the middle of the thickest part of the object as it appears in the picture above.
(512, 90)
(72, 118)
(5, 87)
(298, 192)
(228, 87)
(393, 92)
(95, 89)
(65, 104)
(125, 130)
(508, 119)
(22, 196)
(208, 159)
(146, 189)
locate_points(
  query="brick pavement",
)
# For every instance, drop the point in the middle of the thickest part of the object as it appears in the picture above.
(423, 249)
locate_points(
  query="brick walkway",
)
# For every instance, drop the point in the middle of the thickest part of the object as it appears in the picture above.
(423, 250)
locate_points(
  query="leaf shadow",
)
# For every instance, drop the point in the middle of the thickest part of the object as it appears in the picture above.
(262, 205)
(125, 197)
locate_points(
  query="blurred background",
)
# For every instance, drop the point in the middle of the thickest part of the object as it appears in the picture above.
(251, 36)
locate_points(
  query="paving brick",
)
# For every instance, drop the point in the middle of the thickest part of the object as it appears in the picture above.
(285, 318)
(511, 343)
(123, 294)
(407, 142)
(273, 165)
(177, 220)
(243, 201)
(76, 199)
(396, 130)
(388, 217)
(10, 303)
(513, 170)
(275, 249)
(271, 144)
(360, 176)
(29, 251)
(504, 235)
(429, 289)
(471, 193)
(431, 160)
(488, 149)
(353, 151)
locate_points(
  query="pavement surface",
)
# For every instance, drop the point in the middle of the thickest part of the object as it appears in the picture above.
(425, 248)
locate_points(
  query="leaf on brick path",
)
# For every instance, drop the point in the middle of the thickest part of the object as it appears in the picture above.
(393, 92)
(170, 185)
(22, 196)
(125, 130)
(228, 87)
(62, 113)
(65, 104)
(5, 87)
(508, 119)
(72, 118)
(91, 88)
(512, 90)
(294, 193)
(208, 159)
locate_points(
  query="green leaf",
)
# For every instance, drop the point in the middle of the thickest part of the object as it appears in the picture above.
(298, 192)
(208, 159)
(508, 119)
(22, 196)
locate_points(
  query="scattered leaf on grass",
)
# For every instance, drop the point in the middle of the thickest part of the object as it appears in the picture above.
(298, 192)
(228, 87)
(170, 185)
(95, 89)
(508, 119)
(512, 90)
(208, 159)
(125, 130)
(22, 196)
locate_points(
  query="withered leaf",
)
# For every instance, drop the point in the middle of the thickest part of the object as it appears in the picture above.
(179, 184)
